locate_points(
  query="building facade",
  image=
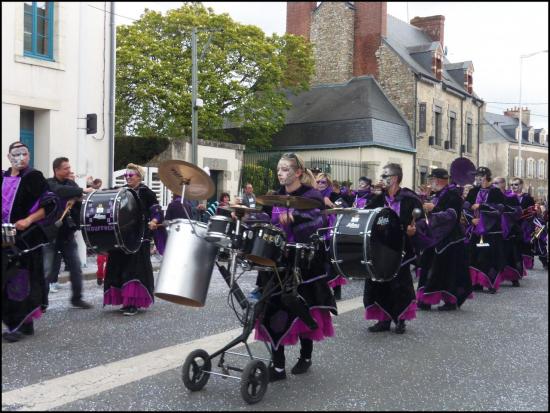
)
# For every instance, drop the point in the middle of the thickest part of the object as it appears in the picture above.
(436, 96)
(57, 68)
(499, 151)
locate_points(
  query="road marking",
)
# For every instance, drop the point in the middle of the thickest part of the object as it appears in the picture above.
(66, 389)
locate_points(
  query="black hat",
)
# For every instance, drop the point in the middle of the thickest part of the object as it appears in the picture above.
(483, 171)
(439, 173)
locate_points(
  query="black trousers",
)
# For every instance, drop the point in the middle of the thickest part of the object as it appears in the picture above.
(306, 349)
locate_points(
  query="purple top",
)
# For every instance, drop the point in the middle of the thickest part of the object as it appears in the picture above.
(393, 203)
(9, 189)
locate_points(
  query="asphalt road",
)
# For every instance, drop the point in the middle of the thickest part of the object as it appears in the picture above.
(490, 355)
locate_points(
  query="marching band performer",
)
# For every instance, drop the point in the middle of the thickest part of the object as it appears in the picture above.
(527, 204)
(26, 201)
(363, 194)
(279, 325)
(484, 204)
(129, 277)
(447, 278)
(395, 299)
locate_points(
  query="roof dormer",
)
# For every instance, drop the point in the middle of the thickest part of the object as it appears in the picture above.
(463, 74)
(437, 62)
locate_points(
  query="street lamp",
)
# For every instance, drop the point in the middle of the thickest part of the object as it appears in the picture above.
(520, 128)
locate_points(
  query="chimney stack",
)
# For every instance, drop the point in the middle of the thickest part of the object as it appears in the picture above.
(371, 20)
(298, 17)
(433, 26)
(525, 114)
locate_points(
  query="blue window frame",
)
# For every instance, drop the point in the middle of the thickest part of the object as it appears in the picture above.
(38, 29)
(27, 137)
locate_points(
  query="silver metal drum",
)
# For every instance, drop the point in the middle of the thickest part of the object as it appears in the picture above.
(187, 264)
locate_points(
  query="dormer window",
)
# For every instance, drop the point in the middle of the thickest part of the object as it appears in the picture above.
(469, 80)
(543, 137)
(531, 135)
(437, 63)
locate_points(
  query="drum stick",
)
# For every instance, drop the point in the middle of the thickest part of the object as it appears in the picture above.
(70, 204)
(416, 213)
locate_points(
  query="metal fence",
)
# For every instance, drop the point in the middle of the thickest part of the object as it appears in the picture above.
(260, 168)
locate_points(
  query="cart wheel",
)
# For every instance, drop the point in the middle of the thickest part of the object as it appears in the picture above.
(254, 381)
(193, 374)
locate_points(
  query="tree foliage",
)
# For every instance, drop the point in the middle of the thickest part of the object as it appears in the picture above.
(242, 78)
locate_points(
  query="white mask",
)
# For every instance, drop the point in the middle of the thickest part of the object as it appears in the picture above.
(19, 158)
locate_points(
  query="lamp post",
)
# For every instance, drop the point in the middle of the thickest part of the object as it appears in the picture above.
(520, 127)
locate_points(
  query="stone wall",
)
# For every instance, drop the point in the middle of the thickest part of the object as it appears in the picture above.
(332, 38)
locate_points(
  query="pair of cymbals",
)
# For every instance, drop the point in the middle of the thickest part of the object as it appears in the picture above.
(175, 174)
(288, 201)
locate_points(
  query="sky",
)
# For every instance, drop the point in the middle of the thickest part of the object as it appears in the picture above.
(493, 36)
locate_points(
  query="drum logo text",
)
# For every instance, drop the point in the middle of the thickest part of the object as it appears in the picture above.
(383, 221)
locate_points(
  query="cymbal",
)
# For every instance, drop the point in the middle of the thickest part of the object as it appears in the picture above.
(339, 211)
(288, 201)
(174, 174)
(240, 208)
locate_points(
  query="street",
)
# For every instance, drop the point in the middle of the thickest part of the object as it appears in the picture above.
(490, 355)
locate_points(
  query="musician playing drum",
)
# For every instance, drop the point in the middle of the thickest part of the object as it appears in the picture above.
(486, 254)
(395, 299)
(279, 325)
(527, 204)
(447, 278)
(129, 277)
(25, 201)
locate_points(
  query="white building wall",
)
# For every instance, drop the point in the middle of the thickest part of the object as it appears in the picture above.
(51, 89)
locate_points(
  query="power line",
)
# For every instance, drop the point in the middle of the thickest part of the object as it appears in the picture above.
(110, 12)
(522, 103)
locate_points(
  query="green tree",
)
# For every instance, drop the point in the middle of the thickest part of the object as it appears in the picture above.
(243, 77)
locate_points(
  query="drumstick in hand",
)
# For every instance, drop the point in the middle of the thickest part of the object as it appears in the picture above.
(417, 212)
(70, 204)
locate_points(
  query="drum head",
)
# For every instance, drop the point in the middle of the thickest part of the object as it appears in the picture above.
(130, 220)
(386, 244)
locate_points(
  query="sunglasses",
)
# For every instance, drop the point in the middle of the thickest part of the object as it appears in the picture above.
(515, 184)
(129, 175)
(291, 155)
(386, 176)
(322, 182)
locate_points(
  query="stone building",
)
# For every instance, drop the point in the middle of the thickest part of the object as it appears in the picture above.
(435, 96)
(500, 146)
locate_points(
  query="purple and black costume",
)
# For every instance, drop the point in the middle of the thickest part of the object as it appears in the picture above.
(129, 277)
(527, 228)
(24, 290)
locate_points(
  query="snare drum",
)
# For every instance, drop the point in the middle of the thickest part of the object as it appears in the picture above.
(368, 243)
(263, 244)
(112, 219)
(299, 255)
(8, 235)
(220, 229)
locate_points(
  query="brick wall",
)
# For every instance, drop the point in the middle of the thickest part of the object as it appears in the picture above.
(370, 25)
(298, 17)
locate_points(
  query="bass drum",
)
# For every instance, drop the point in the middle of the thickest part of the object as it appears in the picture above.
(368, 243)
(112, 219)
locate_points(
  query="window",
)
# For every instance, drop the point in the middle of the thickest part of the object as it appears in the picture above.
(530, 168)
(38, 29)
(531, 135)
(437, 125)
(437, 64)
(452, 130)
(422, 117)
(541, 169)
(469, 143)
(518, 169)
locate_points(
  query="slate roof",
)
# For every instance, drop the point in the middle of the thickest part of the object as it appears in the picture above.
(356, 113)
(415, 48)
(503, 128)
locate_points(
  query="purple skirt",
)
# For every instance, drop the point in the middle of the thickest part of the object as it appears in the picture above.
(133, 293)
(339, 280)
(375, 312)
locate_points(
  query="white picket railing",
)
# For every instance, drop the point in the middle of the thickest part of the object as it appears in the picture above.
(152, 180)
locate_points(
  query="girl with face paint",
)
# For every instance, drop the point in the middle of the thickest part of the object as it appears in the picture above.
(279, 325)
(25, 202)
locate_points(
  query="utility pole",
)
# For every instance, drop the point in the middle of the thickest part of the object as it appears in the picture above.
(194, 117)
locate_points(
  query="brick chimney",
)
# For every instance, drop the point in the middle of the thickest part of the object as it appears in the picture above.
(371, 20)
(514, 113)
(298, 17)
(433, 26)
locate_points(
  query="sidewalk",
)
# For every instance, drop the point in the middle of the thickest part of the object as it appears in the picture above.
(90, 269)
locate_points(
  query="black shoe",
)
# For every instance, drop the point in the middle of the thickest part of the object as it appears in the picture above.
(400, 327)
(515, 283)
(337, 294)
(301, 367)
(380, 326)
(12, 337)
(130, 311)
(447, 307)
(477, 287)
(492, 290)
(424, 306)
(27, 329)
(81, 304)
(99, 281)
(275, 375)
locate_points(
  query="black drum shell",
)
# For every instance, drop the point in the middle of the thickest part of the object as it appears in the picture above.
(369, 244)
(112, 219)
(263, 244)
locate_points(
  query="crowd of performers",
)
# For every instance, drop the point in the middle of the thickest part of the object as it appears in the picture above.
(465, 239)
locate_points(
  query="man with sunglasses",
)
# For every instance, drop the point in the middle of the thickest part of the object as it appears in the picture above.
(363, 194)
(26, 202)
(485, 204)
(67, 190)
(394, 300)
(527, 204)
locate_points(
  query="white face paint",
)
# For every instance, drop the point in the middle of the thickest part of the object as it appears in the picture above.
(386, 177)
(285, 173)
(19, 158)
(362, 185)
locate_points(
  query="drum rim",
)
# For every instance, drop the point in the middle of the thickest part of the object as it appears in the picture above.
(220, 218)
(270, 226)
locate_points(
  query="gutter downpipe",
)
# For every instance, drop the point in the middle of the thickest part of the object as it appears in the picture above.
(112, 97)
(478, 130)
(414, 136)
(461, 126)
